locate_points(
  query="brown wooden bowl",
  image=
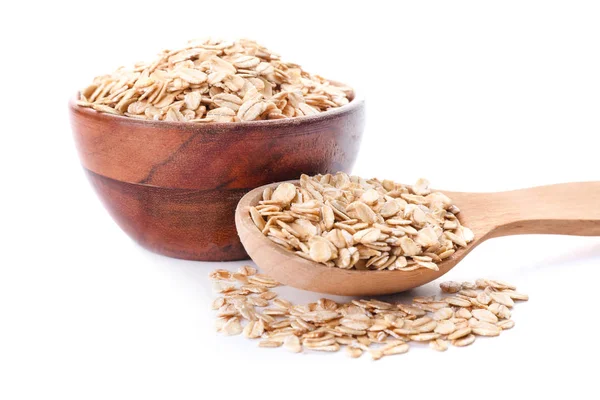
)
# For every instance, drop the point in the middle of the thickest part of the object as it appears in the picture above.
(173, 186)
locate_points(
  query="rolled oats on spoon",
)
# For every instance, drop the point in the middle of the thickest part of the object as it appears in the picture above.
(354, 223)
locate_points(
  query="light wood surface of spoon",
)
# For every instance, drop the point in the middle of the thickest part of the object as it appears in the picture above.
(562, 209)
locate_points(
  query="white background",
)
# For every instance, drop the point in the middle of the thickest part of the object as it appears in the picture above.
(474, 95)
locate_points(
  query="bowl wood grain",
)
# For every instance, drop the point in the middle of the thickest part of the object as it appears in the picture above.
(173, 186)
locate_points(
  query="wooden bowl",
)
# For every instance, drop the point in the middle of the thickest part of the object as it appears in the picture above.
(173, 186)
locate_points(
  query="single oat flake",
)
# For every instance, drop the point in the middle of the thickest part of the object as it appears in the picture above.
(214, 81)
(365, 224)
(371, 326)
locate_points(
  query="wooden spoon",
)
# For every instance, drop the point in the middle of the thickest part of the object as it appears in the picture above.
(563, 209)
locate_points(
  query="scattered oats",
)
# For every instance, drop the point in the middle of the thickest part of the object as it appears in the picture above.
(320, 316)
(222, 287)
(500, 285)
(220, 322)
(363, 340)
(516, 296)
(463, 313)
(482, 283)
(464, 341)
(443, 313)
(269, 343)
(450, 287)
(353, 223)
(425, 337)
(421, 321)
(502, 298)
(357, 321)
(484, 315)
(462, 325)
(410, 310)
(506, 324)
(232, 327)
(262, 280)
(486, 329)
(345, 340)
(247, 270)
(398, 349)
(240, 278)
(499, 310)
(220, 274)
(428, 327)
(439, 345)
(381, 305)
(218, 303)
(457, 301)
(350, 331)
(379, 325)
(468, 293)
(254, 329)
(483, 298)
(374, 326)
(282, 303)
(331, 348)
(268, 295)
(292, 343)
(406, 331)
(354, 352)
(476, 303)
(460, 333)
(445, 327)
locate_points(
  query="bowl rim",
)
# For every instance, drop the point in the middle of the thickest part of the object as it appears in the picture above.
(357, 102)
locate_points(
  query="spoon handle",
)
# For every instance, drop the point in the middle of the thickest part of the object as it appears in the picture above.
(562, 209)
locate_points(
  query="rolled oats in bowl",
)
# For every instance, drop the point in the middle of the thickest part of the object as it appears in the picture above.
(214, 81)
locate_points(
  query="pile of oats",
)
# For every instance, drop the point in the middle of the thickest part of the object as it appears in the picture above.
(214, 81)
(248, 305)
(349, 222)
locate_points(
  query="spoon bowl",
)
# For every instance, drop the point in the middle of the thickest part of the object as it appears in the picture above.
(567, 209)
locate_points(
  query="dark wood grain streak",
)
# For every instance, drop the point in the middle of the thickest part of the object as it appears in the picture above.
(181, 223)
(173, 187)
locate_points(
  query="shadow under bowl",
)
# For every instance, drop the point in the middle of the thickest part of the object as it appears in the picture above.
(173, 186)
